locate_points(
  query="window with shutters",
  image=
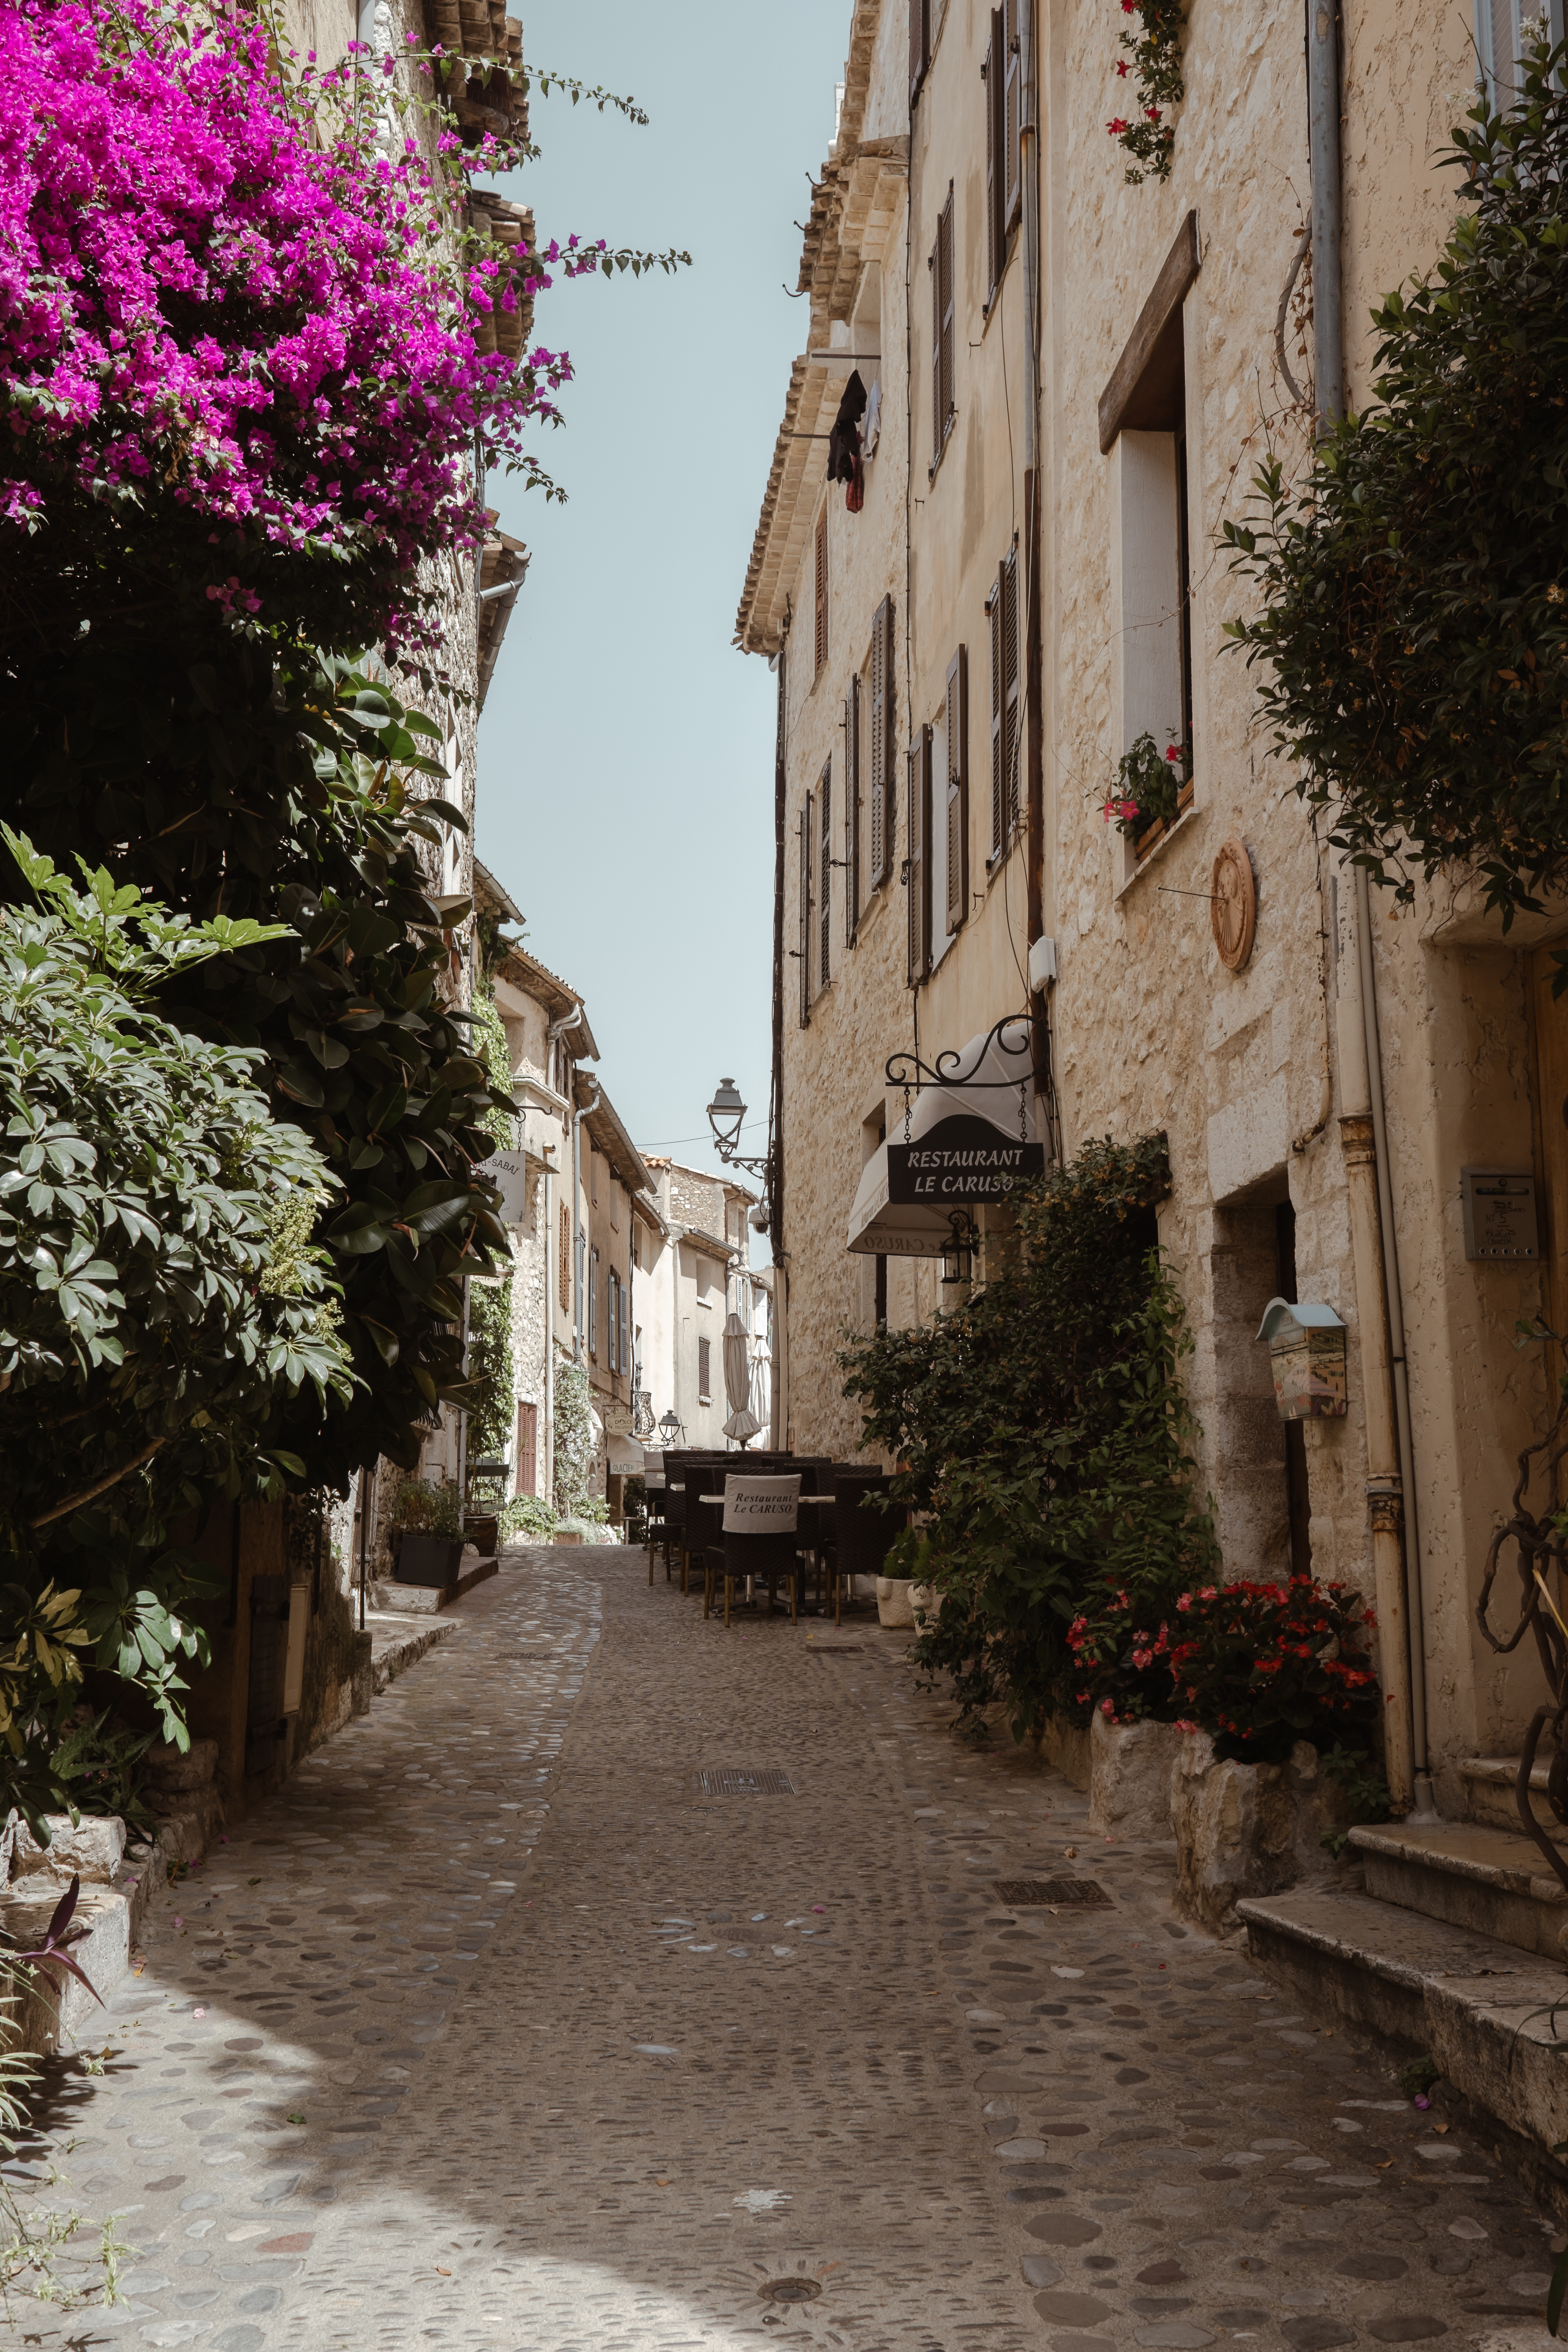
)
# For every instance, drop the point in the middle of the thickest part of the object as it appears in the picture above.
(612, 1322)
(917, 866)
(880, 739)
(565, 1261)
(705, 1371)
(955, 735)
(943, 335)
(592, 1302)
(1004, 78)
(624, 1301)
(803, 946)
(825, 879)
(852, 805)
(821, 577)
(1002, 609)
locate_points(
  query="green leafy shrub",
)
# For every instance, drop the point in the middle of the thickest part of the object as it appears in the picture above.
(527, 1515)
(1411, 635)
(1044, 1433)
(1121, 1662)
(575, 1451)
(427, 1507)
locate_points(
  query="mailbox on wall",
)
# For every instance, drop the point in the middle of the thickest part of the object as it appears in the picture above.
(1307, 1356)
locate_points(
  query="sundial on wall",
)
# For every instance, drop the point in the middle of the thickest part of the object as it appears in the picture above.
(1232, 911)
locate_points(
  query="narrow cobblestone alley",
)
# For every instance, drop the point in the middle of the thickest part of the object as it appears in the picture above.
(498, 2027)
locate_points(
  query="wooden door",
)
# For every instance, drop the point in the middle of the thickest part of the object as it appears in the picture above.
(528, 1449)
(1549, 1027)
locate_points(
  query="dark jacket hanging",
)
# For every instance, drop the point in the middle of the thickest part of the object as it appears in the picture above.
(844, 441)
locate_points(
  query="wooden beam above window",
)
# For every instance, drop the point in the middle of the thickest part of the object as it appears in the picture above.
(1142, 382)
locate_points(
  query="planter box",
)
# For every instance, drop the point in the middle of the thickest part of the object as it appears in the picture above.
(429, 1560)
(894, 1606)
(482, 1530)
(567, 1536)
(1246, 1829)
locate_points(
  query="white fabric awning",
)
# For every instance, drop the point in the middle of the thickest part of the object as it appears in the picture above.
(623, 1454)
(879, 1228)
(948, 1127)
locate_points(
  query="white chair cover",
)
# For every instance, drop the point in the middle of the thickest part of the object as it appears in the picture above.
(761, 1506)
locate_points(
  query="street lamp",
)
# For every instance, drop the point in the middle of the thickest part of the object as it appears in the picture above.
(726, 1115)
(669, 1429)
(958, 1253)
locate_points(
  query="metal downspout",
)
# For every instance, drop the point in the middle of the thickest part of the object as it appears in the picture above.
(1329, 393)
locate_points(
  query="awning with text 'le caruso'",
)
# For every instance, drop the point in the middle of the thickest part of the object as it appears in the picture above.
(970, 1136)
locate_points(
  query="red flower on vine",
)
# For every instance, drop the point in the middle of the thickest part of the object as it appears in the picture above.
(1116, 127)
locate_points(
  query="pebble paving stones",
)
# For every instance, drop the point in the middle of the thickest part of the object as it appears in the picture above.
(493, 2029)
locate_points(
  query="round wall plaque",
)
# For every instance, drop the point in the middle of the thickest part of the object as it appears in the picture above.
(1233, 909)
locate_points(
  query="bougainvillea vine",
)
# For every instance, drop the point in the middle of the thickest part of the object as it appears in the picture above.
(1153, 65)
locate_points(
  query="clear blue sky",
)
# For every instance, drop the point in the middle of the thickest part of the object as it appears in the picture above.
(626, 750)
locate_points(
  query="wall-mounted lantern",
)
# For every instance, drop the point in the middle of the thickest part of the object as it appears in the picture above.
(1307, 1356)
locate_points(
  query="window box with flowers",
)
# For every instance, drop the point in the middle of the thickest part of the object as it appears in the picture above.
(1153, 790)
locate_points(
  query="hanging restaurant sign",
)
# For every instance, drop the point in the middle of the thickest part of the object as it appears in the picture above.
(960, 1161)
(967, 1135)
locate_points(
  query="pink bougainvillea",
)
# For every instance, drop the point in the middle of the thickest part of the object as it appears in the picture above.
(236, 291)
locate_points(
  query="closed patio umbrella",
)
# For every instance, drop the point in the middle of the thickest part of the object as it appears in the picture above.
(743, 1422)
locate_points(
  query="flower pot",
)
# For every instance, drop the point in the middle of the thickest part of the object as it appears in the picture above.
(894, 1605)
(482, 1530)
(567, 1536)
(926, 1601)
(429, 1560)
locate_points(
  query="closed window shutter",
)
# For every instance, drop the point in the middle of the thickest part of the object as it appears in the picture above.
(920, 45)
(821, 588)
(851, 811)
(1013, 173)
(803, 946)
(565, 1261)
(1010, 677)
(625, 1335)
(920, 858)
(996, 145)
(592, 1302)
(825, 884)
(998, 718)
(881, 742)
(943, 332)
(704, 1360)
(957, 789)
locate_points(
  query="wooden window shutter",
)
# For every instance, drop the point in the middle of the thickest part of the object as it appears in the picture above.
(821, 588)
(920, 45)
(919, 864)
(592, 1302)
(946, 323)
(996, 607)
(881, 736)
(943, 339)
(1012, 117)
(803, 949)
(825, 883)
(1011, 672)
(957, 795)
(528, 1449)
(610, 1322)
(995, 154)
(625, 1298)
(565, 1261)
(852, 811)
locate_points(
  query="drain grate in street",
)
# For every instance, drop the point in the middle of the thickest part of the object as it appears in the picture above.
(837, 1650)
(1033, 1893)
(790, 2290)
(730, 1781)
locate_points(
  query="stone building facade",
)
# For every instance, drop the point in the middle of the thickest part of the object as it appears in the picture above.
(693, 1270)
(1074, 379)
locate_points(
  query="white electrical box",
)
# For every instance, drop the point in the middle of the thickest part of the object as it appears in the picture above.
(1042, 965)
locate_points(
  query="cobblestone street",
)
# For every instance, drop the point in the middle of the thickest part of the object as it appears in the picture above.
(499, 2028)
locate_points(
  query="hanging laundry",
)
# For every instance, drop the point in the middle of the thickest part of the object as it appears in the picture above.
(871, 423)
(844, 441)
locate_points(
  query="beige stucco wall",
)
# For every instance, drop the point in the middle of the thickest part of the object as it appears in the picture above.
(1150, 1032)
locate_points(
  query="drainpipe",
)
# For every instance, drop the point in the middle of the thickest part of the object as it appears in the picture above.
(580, 1245)
(1363, 1124)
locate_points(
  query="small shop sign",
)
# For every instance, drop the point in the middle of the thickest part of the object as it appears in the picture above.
(958, 1162)
(1307, 1357)
(508, 1171)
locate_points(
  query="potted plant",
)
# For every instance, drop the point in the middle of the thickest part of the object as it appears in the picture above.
(906, 1570)
(429, 1527)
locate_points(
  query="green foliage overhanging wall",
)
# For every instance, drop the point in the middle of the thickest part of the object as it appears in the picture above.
(1046, 1435)
(1412, 634)
(492, 1364)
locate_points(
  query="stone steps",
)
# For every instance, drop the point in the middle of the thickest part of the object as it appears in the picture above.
(1481, 2007)
(1468, 1874)
(1490, 1795)
(426, 1600)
